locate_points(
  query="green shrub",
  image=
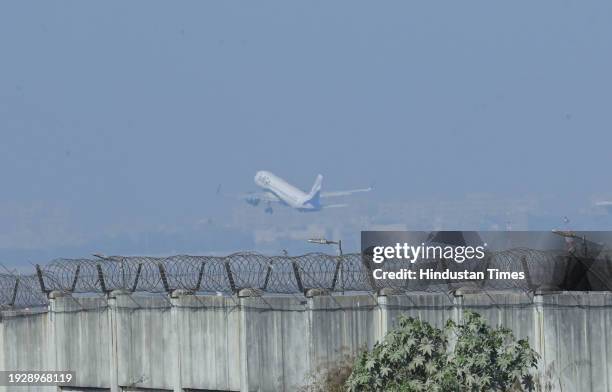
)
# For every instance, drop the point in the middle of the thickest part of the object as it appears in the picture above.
(417, 357)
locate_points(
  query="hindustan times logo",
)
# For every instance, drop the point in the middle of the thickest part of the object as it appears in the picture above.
(413, 253)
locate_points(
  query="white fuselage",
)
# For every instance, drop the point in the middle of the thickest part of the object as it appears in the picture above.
(285, 192)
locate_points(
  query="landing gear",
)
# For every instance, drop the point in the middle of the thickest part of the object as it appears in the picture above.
(268, 209)
(252, 200)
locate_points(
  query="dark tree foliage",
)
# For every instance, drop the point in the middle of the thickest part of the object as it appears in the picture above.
(417, 357)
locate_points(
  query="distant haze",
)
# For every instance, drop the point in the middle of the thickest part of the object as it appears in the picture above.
(118, 120)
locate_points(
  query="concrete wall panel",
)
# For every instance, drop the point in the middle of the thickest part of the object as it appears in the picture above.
(276, 343)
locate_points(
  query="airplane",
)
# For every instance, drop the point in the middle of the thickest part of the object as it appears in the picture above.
(277, 190)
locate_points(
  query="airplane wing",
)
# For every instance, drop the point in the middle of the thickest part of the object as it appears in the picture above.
(326, 206)
(604, 203)
(344, 193)
(253, 198)
(261, 196)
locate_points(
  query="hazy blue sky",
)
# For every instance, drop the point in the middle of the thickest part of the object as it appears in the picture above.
(126, 115)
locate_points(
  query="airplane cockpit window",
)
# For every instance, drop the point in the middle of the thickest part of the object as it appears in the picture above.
(264, 179)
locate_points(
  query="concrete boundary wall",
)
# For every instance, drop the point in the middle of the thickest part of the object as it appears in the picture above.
(186, 342)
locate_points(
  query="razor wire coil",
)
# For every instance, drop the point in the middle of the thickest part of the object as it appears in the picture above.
(288, 274)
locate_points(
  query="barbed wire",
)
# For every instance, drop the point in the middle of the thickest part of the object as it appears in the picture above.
(17, 291)
(297, 274)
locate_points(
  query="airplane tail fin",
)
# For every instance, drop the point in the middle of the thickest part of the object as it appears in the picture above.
(315, 192)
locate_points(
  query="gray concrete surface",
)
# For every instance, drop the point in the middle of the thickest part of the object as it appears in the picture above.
(214, 343)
